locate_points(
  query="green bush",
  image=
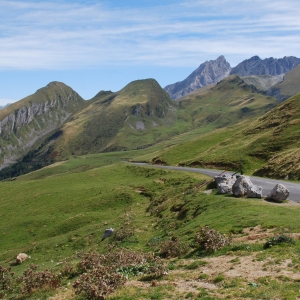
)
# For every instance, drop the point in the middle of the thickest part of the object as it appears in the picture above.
(276, 240)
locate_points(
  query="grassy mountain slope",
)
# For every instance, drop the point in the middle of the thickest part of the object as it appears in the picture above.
(27, 122)
(267, 146)
(226, 103)
(138, 115)
(288, 87)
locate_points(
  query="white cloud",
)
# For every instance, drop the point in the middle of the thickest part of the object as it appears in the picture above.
(52, 35)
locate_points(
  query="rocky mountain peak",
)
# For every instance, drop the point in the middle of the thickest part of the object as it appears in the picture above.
(207, 73)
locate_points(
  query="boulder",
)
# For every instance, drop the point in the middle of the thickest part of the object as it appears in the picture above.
(279, 193)
(244, 187)
(224, 183)
(255, 191)
(21, 257)
(108, 232)
(224, 188)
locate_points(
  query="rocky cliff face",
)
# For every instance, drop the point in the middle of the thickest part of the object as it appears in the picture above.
(28, 121)
(268, 66)
(209, 72)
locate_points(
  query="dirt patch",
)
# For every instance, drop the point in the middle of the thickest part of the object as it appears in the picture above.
(258, 234)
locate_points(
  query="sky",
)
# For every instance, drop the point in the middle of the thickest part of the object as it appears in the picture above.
(105, 44)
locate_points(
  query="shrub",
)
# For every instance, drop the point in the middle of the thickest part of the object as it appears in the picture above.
(33, 280)
(276, 240)
(6, 281)
(124, 261)
(98, 283)
(211, 240)
(68, 270)
(123, 234)
(89, 261)
(173, 248)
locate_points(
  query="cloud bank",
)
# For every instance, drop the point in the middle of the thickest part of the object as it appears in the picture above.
(88, 34)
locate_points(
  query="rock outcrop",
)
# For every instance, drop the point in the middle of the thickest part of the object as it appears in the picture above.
(207, 73)
(278, 194)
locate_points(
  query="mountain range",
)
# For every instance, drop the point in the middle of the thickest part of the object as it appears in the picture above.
(215, 70)
(56, 123)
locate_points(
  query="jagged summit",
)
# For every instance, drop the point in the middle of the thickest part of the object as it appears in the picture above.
(268, 66)
(207, 73)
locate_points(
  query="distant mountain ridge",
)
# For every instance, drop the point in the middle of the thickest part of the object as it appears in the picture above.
(207, 73)
(269, 66)
(215, 70)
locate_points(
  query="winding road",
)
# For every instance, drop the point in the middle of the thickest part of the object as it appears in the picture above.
(266, 183)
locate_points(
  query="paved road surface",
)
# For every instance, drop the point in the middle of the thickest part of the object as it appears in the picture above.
(266, 183)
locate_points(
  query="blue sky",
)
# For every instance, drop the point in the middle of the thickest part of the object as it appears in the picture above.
(103, 45)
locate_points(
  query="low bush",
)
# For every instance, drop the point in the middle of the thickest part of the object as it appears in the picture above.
(276, 240)
(211, 240)
(33, 280)
(98, 283)
(6, 281)
(173, 248)
(124, 261)
(123, 234)
(68, 270)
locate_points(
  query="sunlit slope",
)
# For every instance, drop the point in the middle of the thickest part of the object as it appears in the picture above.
(138, 115)
(226, 103)
(288, 87)
(268, 146)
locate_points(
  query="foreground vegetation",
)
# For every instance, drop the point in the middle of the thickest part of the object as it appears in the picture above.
(58, 215)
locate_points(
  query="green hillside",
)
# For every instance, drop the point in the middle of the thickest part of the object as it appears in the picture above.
(224, 104)
(288, 87)
(138, 115)
(142, 114)
(267, 146)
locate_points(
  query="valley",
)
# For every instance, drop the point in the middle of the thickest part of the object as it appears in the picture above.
(65, 179)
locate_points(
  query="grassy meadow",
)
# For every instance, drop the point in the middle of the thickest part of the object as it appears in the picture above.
(61, 210)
